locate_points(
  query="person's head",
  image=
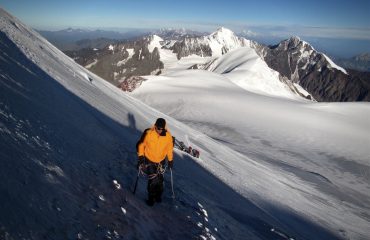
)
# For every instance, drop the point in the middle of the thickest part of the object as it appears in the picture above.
(160, 125)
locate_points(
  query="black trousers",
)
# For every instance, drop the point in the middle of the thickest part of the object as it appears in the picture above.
(155, 181)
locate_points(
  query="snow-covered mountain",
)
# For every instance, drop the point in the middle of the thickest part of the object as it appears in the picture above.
(176, 34)
(121, 61)
(305, 71)
(246, 69)
(213, 45)
(360, 62)
(271, 167)
(314, 71)
(237, 59)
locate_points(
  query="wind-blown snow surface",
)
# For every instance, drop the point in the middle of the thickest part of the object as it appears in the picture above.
(68, 156)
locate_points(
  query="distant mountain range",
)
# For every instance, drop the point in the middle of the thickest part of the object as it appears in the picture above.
(75, 39)
(71, 39)
(360, 62)
(177, 34)
(304, 70)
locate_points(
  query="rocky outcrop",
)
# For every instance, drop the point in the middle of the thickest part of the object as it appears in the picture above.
(191, 46)
(335, 86)
(131, 83)
(118, 62)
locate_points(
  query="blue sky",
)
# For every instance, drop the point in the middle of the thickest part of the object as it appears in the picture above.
(340, 19)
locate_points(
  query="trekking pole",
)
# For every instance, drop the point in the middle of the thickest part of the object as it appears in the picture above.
(137, 179)
(173, 193)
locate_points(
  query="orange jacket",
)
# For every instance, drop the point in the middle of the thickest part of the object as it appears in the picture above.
(155, 147)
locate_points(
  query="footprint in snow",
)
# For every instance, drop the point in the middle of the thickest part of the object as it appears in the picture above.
(116, 184)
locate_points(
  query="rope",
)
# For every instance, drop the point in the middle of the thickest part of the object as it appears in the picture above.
(160, 170)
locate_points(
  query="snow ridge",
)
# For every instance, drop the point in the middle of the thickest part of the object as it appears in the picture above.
(246, 69)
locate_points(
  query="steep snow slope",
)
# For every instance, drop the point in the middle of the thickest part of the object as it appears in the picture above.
(64, 140)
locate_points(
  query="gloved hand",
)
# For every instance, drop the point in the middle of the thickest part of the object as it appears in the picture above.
(140, 161)
(170, 164)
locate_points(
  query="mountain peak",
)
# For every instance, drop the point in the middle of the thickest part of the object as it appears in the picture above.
(154, 42)
(223, 31)
(224, 35)
(363, 57)
(155, 37)
(295, 40)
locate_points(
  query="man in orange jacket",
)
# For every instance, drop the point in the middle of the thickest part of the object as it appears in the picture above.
(152, 149)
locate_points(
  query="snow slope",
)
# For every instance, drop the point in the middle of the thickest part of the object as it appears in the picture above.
(246, 69)
(309, 158)
(67, 141)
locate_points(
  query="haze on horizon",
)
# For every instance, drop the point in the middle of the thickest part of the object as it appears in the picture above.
(340, 28)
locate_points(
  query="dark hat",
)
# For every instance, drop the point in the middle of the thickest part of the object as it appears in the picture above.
(160, 123)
